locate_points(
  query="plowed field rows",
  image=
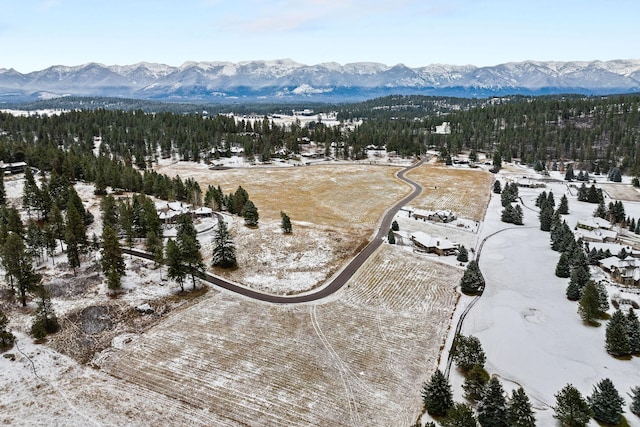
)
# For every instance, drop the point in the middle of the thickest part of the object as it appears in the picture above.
(359, 358)
(464, 191)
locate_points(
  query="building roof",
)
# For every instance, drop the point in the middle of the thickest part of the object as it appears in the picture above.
(594, 222)
(627, 267)
(429, 241)
(596, 235)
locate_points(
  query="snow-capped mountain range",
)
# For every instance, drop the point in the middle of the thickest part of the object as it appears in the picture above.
(289, 80)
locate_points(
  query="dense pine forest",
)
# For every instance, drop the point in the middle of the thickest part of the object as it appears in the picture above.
(118, 148)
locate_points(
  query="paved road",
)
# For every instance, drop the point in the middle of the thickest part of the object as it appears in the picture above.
(339, 280)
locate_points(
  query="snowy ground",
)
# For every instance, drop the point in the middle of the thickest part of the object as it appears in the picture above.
(361, 346)
(531, 333)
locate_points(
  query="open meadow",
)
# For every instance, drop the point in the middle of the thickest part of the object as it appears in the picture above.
(359, 356)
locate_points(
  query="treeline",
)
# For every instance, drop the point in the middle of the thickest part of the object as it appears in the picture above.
(598, 133)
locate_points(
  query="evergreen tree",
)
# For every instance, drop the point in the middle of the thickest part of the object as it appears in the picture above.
(518, 215)
(175, 268)
(492, 408)
(125, 218)
(30, 190)
(463, 254)
(472, 281)
(617, 338)
(551, 201)
(250, 214)
(155, 246)
(475, 382)
(112, 261)
(605, 403)
(238, 200)
(57, 224)
(285, 224)
(563, 268)
(546, 217)
(603, 298)
(3, 192)
(18, 265)
(468, 352)
(6, 337)
(437, 395)
(635, 400)
(459, 415)
(580, 276)
(189, 246)
(519, 413)
(497, 187)
(391, 237)
(50, 242)
(542, 197)
(509, 194)
(573, 291)
(583, 193)
(224, 250)
(571, 409)
(592, 195)
(45, 320)
(633, 331)
(507, 214)
(563, 208)
(601, 211)
(614, 175)
(589, 304)
(497, 162)
(75, 236)
(569, 174)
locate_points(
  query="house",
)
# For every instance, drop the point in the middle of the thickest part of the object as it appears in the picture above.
(436, 245)
(12, 168)
(594, 223)
(203, 211)
(597, 235)
(624, 271)
(435, 216)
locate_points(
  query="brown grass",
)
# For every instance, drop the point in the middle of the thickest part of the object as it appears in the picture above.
(329, 195)
(359, 358)
(621, 192)
(463, 191)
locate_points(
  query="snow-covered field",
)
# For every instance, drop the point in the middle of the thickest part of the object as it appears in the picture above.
(358, 357)
(532, 335)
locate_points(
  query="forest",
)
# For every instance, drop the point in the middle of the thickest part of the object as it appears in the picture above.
(118, 148)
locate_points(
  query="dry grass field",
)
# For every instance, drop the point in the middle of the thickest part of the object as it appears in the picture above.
(464, 191)
(358, 358)
(624, 192)
(332, 195)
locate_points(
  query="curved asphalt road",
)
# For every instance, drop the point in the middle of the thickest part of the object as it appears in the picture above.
(344, 275)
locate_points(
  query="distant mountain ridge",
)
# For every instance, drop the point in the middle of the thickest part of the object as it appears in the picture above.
(282, 80)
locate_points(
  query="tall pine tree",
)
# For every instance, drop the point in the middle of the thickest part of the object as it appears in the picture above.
(519, 413)
(606, 403)
(571, 408)
(492, 408)
(437, 395)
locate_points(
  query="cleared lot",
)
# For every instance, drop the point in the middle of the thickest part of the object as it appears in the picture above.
(359, 358)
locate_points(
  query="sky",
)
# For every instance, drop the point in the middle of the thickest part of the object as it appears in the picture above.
(37, 34)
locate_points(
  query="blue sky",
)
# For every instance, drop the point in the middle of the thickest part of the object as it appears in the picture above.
(37, 34)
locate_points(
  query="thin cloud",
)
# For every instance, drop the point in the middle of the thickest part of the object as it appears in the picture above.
(47, 5)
